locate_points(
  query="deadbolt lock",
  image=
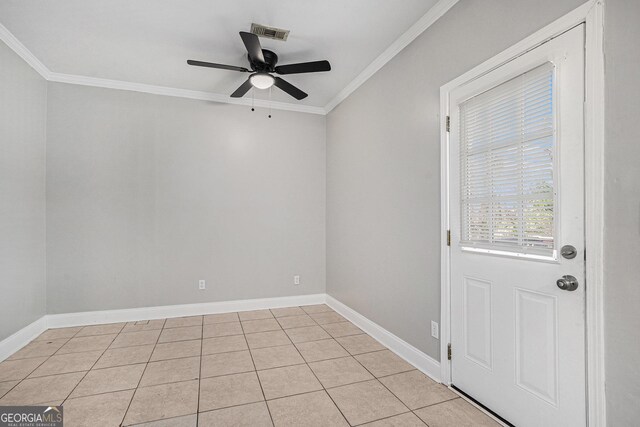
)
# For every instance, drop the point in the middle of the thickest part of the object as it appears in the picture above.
(568, 252)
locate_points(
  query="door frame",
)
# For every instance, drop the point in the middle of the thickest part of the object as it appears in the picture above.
(592, 14)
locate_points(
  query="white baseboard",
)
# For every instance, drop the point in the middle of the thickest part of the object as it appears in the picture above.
(423, 362)
(15, 342)
(162, 312)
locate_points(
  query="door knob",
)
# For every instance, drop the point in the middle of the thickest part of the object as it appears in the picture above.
(567, 283)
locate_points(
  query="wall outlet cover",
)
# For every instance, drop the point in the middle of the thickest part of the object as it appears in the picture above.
(202, 284)
(435, 330)
(296, 280)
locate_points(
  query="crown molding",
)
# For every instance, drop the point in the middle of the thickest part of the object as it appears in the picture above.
(21, 50)
(411, 34)
(180, 93)
(396, 47)
(24, 53)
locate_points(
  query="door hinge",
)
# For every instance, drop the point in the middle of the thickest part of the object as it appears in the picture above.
(449, 351)
(448, 123)
(448, 237)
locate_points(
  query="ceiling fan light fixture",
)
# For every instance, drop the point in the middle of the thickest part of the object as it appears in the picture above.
(262, 80)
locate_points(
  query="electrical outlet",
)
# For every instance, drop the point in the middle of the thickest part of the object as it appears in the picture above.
(296, 280)
(202, 284)
(434, 330)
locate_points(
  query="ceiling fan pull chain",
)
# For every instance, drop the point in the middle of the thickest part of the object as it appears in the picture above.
(253, 98)
(270, 90)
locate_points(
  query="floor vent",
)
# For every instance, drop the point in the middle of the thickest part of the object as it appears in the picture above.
(269, 32)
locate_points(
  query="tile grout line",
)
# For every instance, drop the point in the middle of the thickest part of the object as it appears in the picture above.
(200, 372)
(326, 392)
(9, 359)
(94, 363)
(257, 348)
(25, 378)
(435, 404)
(265, 401)
(376, 378)
(386, 376)
(135, 391)
(128, 389)
(314, 374)
(342, 336)
(75, 372)
(291, 395)
(386, 418)
(321, 360)
(44, 361)
(305, 363)
(404, 372)
(256, 371)
(355, 382)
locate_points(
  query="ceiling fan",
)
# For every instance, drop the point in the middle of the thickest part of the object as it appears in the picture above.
(263, 64)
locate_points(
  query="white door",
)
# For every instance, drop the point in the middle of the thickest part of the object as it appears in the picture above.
(516, 198)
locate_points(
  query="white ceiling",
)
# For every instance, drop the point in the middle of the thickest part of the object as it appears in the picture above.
(149, 41)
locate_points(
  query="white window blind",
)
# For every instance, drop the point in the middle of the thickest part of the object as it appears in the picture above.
(507, 137)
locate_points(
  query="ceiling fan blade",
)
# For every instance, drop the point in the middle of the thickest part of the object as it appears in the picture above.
(212, 65)
(244, 88)
(304, 67)
(252, 44)
(289, 88)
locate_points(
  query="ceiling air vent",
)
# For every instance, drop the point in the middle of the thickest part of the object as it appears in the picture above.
(269, 32)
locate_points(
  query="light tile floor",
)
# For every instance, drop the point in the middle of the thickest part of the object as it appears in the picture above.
(296, 366)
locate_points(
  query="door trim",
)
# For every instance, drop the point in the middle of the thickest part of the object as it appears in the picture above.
(592, 14)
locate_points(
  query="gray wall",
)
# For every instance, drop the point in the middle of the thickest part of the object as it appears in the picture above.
(383, 166)
(622, 212)
(148, 194)
(23, 103)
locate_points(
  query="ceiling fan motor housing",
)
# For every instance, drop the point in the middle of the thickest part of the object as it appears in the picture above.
(269, 65)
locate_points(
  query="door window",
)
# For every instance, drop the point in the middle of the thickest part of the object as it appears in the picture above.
(507, 145)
